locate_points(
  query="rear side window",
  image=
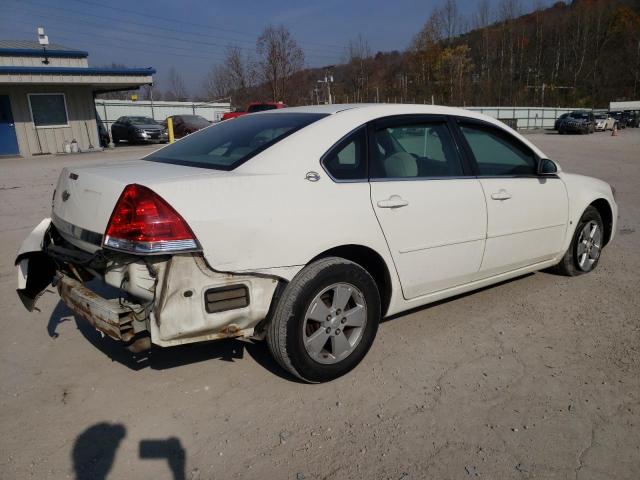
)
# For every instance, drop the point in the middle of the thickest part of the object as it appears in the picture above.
(415, 150)
(498, 154)
(347, 160)
(228, 144)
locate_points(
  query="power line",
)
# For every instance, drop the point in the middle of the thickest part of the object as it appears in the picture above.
(49, 17)
(122, 47)
(121, 20)
(148, 15)
(173, 20)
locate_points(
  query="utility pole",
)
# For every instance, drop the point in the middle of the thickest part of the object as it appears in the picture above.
(328, 80)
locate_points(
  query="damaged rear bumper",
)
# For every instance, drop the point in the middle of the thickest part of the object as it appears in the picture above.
(170, 300)
(119, 320)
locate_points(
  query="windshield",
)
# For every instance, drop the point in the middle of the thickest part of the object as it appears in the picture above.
(142, 121)
(261, 107)
(601, 116)
(228, 144)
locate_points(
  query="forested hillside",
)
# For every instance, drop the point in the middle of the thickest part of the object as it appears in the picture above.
(580, 53)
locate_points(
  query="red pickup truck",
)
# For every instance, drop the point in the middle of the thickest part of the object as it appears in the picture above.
(254, 107)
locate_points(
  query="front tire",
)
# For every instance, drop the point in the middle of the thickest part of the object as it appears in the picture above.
(586, 246)
(326, 320)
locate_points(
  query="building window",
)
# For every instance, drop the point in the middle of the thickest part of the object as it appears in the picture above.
(48, 109)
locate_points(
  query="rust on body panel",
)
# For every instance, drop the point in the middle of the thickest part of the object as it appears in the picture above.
(107, 316)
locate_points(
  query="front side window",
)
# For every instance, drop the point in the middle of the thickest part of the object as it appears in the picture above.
(497, 154)
(228, 144)
(48, 110)
(415, 150)
(347, 160)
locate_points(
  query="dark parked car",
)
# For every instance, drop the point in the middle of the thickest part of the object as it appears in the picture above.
(620, 118)
(138, 129)
(185, 124)
(579, 121)
(559, 120)
(633, 118)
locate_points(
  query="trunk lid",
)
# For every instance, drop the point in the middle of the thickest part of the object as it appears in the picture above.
(85, 196)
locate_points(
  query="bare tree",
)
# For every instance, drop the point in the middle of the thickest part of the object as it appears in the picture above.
(279, 58)
(232, 77)
(451, 19)
(358, 68)
(217, 83)
(177, 90)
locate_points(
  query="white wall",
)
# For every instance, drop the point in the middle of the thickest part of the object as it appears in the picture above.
(110, 110)
(527, 117)
(616, 106)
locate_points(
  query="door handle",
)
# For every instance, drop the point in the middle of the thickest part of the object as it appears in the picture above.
(394, 201)
(501, 195)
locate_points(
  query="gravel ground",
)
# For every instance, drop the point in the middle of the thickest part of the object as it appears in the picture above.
(534, 378)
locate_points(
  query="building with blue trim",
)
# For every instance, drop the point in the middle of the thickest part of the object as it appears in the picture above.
(47, 97)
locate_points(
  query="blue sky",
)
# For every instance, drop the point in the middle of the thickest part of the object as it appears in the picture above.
(192, 34)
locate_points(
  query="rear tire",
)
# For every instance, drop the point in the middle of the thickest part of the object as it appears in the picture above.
(584, 252)
(328, 303)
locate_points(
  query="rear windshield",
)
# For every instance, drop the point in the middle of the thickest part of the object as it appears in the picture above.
(195, 120)
(230, 143)
(261, 107)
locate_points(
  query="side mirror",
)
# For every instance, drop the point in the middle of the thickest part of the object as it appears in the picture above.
(547, 167)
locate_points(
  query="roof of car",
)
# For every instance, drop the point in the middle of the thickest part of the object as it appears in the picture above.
(379, 110)
(392, 108)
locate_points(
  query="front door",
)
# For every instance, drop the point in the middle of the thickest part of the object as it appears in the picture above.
(527, 214)
(433, 216)
(8, 140)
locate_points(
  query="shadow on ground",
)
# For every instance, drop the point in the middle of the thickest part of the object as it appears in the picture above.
(227, 350)
(157, 358)
(94, 452)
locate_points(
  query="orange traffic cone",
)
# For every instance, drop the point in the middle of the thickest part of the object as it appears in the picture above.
(614, 132)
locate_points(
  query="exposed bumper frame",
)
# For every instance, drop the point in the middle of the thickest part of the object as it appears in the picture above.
(111, 317)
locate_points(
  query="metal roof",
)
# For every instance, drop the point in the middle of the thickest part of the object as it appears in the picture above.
(27, 48)
(17, 70)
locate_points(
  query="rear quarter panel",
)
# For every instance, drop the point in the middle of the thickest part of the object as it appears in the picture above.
(265, 216)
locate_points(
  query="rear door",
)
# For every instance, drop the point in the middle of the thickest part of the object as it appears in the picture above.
(432, 212)
(527, 214)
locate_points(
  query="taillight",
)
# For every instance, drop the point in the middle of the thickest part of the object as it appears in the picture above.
(142, 222)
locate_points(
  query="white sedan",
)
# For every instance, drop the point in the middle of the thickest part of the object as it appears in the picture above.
(307, 226)
(604, 122)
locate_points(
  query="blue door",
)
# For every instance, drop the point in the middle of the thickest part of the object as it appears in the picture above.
(8, 140)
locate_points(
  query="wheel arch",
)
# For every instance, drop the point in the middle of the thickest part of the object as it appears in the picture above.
(606, 213)
(371, 261)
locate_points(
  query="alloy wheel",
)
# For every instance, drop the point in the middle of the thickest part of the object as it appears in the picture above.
(334, 323)
(588, 246)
